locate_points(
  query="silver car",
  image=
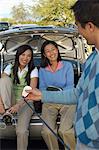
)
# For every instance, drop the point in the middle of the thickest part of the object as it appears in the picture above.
(71, 47)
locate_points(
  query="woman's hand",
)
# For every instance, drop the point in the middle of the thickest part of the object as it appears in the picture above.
(14, 108)
(34, 95)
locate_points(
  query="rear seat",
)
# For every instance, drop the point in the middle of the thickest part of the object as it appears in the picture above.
(38, 105)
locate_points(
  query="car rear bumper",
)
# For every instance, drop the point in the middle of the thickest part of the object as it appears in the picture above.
(9, 131)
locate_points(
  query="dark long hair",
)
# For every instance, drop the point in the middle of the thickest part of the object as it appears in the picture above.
(44, 60)
(21, 50)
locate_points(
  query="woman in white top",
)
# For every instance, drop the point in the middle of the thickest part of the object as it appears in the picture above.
(13, 80)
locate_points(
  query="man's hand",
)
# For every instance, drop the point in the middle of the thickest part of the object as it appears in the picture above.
(34, 95)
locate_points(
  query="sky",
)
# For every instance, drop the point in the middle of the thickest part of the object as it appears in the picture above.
(6, 5)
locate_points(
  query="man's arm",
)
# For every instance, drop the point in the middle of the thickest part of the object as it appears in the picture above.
(61, 97)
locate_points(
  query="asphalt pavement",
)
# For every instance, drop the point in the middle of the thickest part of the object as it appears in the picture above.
(33, 145)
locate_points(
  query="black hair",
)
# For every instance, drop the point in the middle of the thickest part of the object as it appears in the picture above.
(19, 51)
(44, 60)
(86, 11)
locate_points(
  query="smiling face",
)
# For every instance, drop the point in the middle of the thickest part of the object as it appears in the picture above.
(88, 32)
(51, 52)
(25, 58)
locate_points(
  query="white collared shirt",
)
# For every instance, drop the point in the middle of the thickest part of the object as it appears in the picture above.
(34, 72)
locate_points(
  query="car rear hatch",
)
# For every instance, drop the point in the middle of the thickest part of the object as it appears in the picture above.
(70, 45)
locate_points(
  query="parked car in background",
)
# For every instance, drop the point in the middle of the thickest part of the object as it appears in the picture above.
(4, 25)
(16, 26)
(71, 47)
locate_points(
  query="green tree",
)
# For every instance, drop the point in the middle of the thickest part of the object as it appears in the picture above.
(56, 12)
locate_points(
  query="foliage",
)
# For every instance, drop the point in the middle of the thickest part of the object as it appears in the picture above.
(44, 12)
(55, 12)
(20, 13)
